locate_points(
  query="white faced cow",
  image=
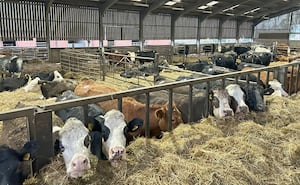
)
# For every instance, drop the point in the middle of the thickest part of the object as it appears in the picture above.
(278, 90)
(114, 138)
(239, 106)
(221, 103)
(74, 141)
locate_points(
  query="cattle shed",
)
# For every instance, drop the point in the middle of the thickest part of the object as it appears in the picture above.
(95, 39)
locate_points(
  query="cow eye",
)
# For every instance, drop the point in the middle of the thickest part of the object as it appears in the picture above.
(86, 141)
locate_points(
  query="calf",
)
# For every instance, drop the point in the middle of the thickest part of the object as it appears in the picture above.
(239, 106)
(227, 61)
(74, 143)
(11, 163)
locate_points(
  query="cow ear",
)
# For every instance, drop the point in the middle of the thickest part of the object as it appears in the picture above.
(97, 123)
(160, 113)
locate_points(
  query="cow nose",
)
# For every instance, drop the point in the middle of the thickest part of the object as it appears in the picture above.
(117, 152)
(228, 112)
(80, 163)
(244, 109)
(260, 107)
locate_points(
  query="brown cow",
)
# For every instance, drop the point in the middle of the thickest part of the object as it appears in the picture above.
(131, 108)
(263, 74)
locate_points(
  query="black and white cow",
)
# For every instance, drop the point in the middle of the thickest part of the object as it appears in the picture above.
(239, 106)
(49, 76)
(11, 64)
(255, 97)
(11, 163)
(13, 83)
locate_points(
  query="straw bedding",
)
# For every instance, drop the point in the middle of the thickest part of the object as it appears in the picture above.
(263, 149)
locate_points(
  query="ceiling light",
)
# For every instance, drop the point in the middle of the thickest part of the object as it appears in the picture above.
(229, 14)
(170, 3)
(175, 8)
(212, 3)
(140, 4)
(249, 16)
(231, 8)
(251, 11)
(205, 11)
(137, 0)
(202, 7)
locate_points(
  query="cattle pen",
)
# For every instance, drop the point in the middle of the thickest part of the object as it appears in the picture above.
(39, 118)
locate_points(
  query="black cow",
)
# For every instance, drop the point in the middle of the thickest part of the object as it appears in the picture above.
(197, 66)
(13, 83)
(149, 54)
(228, 61)
(11, 163)
(262, 58)
(241, 49)
(254, 97)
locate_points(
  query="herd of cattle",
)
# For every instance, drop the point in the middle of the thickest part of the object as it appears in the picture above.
(108, 131)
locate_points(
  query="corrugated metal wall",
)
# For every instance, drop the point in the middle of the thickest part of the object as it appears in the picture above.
(70, 23)
(245, 30)
(22, 20)
(26, 20)
(157, 26)
(229, 29)
(121, 25)
(209, 28)
(186, 28)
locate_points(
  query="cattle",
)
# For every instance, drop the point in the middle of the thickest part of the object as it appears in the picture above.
(55, 88)
(254, 97)
(11, 64)
(148, 54)
(228, 61)
(241, 49)
(221, 103)
(197, 66)
(32, 85)
(133, 109)
(276, 86)
(13, 83)
(239, 106)
(74, 144)
(262, 58)
(115, 132)
(11, 162)
(49, 76)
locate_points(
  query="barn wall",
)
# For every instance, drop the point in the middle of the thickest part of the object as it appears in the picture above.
(72, 23)
(245, 30)
(121, 25)
(22, 21)
(209, 28)
(186, 28)
(229, 29)
(157, 26)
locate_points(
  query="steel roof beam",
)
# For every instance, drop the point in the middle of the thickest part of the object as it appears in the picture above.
(153, 6)
(108, 3)
(191, 8)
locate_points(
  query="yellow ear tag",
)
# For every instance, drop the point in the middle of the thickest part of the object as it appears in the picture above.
(90, 126)
(135, 128)
(26, 157)
(211, 96)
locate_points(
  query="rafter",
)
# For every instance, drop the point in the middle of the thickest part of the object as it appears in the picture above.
(191, 8)
(107, 5)
(153, 6)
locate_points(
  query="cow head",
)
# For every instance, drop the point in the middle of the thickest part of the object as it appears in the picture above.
(255, 97)
(115, 132)
(162, 116)
(74, 144)
(220, 101)
(238, 100)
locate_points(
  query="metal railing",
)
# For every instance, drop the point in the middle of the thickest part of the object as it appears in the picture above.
(40, 117)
